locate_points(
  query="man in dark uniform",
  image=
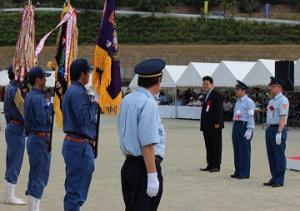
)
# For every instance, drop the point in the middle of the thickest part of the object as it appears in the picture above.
(142, 140)
(276, 133)
(79, 122)
(212, 125)
(15, 139)
(38, 113)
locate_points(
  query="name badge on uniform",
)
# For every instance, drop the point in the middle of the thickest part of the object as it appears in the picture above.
(237, 115)
(271, 109)
(208, 105)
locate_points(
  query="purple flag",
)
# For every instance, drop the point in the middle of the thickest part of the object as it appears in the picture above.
(106, 59)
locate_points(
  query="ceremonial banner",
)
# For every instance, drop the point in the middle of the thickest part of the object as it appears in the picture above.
(205, 10)
(24, 55)
(267, 10)
(67, 49)
(106, 74)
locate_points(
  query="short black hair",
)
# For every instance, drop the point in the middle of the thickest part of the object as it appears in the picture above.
(208, 78)
(10, 72)
(11, 76)
(75, 76)
(148, 82)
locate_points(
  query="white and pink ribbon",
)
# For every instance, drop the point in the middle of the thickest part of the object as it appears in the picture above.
(41, 44)
(70, 29)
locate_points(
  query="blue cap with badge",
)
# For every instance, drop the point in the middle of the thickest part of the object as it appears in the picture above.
(80, 65)
(150, 68)
(241, 85)
(276, 81)
(36, 72)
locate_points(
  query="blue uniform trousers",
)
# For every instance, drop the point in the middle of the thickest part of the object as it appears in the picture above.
(79, 160)
(276, 154)
(15, 139)
(39, 160)
(241, 149)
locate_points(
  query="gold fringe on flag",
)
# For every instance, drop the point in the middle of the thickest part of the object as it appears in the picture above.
(102, 79)
(57, 110)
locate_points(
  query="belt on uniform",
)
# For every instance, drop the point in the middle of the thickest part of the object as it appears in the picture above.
(131, 157)
(276, 125)
(79, 140)
(240, 122)
(16, 122)
(42, 134)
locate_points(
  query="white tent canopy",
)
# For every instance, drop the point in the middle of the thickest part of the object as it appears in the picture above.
(50, 81)
(194, 73)
(297, 73)
(4, 80)
(171, 74)
(260, 73)
(228, 72)
(134, 81)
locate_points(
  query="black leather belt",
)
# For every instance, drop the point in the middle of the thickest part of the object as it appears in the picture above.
(273, 125)
(131, 157)
(240, 122)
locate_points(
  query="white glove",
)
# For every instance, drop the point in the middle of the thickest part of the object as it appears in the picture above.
(153, 185)
(278, 138)
(94, 97)
(248, 134)
(50, 101)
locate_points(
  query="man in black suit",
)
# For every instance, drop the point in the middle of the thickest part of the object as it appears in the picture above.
(212, 125)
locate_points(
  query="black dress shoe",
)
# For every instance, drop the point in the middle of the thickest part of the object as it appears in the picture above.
(212, 170)
(276, 185)
(242, 177)
(268, 183)
(205, 169)
(234, 175)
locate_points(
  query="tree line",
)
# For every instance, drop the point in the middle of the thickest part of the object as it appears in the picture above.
(247, 6)
(154, 30)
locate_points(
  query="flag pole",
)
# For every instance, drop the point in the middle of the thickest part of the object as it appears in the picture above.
(52, 121)
(97, 134)
(106, 75)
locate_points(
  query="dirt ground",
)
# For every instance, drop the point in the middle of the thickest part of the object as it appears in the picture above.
(185, 187)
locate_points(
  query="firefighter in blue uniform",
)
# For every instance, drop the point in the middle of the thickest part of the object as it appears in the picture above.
(276, 133)
(242, 132)
(79, 123)
(15, 139)
(38, 113)
(142, 140)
